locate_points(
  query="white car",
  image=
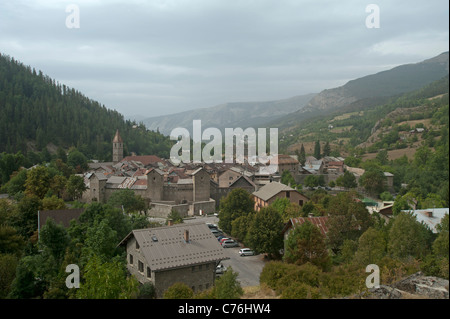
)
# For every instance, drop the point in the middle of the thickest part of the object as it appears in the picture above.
(246, 252)
(220, 269)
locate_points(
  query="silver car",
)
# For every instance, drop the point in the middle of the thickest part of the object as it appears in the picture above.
(246, 252)
(229, 243)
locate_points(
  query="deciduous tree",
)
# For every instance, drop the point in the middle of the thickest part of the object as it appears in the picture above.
(238, 202)
(307, 244)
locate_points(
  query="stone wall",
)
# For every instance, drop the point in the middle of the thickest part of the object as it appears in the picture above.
(207, 207)
(198, 278)
(163, 209)
(180, 194)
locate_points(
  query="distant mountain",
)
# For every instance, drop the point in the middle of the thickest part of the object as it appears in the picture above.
(237, 114)
(401, 79)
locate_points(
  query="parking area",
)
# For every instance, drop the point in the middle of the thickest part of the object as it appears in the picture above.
(249, 267)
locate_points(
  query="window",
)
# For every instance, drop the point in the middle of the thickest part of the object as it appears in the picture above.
(300, 202)
(137, 245)
(149, 272)
(288, 194)
(131, 259)
(140, 266)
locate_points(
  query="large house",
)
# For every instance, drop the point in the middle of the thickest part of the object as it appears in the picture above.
(186, 253)
(286, 163)
(267, 194)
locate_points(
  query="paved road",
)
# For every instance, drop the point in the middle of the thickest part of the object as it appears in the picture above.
(248, 267)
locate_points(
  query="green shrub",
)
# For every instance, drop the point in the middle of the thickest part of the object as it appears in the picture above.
(279, 276)
(301, 291)
(178, 291)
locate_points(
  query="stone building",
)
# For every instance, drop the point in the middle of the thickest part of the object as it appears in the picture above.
(286, 163)
(188, 196)
(186, 253)
(143, 175)
(267, 194)
(243, 182)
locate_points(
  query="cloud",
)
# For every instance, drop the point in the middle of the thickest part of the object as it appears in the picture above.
(163, 56)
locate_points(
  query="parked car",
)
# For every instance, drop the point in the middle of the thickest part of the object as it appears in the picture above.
(216, 232)
(229, 243)
(220, 237)
(223, 239)
(246, 252)
(220, 269)
(212, 226)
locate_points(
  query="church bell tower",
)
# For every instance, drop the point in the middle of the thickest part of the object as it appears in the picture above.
(117, 148)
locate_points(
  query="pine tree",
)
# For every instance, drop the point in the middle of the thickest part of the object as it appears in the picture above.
(317, 150)
(326, 149)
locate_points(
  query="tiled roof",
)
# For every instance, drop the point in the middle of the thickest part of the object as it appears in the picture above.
(284, 159)
(430, 217)
(60, 216)
(245, 178)
(270, 190)
(144, 159)
(320, 222)
(165, 247)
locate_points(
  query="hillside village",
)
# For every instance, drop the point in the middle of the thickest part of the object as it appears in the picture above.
(370, 189)
(195, 191)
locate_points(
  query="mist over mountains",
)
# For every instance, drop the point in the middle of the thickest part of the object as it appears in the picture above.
(288, 112)
(236, 114)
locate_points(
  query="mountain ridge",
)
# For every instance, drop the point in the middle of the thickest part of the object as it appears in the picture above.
(286, 113)
(232, 114)
(401, 79)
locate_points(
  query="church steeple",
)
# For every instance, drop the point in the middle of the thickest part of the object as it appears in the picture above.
(117, 148)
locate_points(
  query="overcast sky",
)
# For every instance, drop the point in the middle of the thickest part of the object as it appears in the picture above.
(158, 57)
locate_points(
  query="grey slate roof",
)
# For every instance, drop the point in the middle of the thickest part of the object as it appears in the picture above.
(171, 251)
(60, 216)
(270, 190)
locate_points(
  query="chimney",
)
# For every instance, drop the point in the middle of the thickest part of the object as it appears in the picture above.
(170, 222)
(429, 213)
(186, 235)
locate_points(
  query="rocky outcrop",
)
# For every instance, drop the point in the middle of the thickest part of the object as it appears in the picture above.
(416, 286)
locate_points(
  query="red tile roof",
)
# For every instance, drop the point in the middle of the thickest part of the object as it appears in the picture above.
(320, 222)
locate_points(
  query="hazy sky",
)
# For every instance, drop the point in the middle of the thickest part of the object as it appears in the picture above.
(158, 57)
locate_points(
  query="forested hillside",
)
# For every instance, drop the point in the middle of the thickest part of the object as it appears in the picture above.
(36, 111)
(352, 125)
